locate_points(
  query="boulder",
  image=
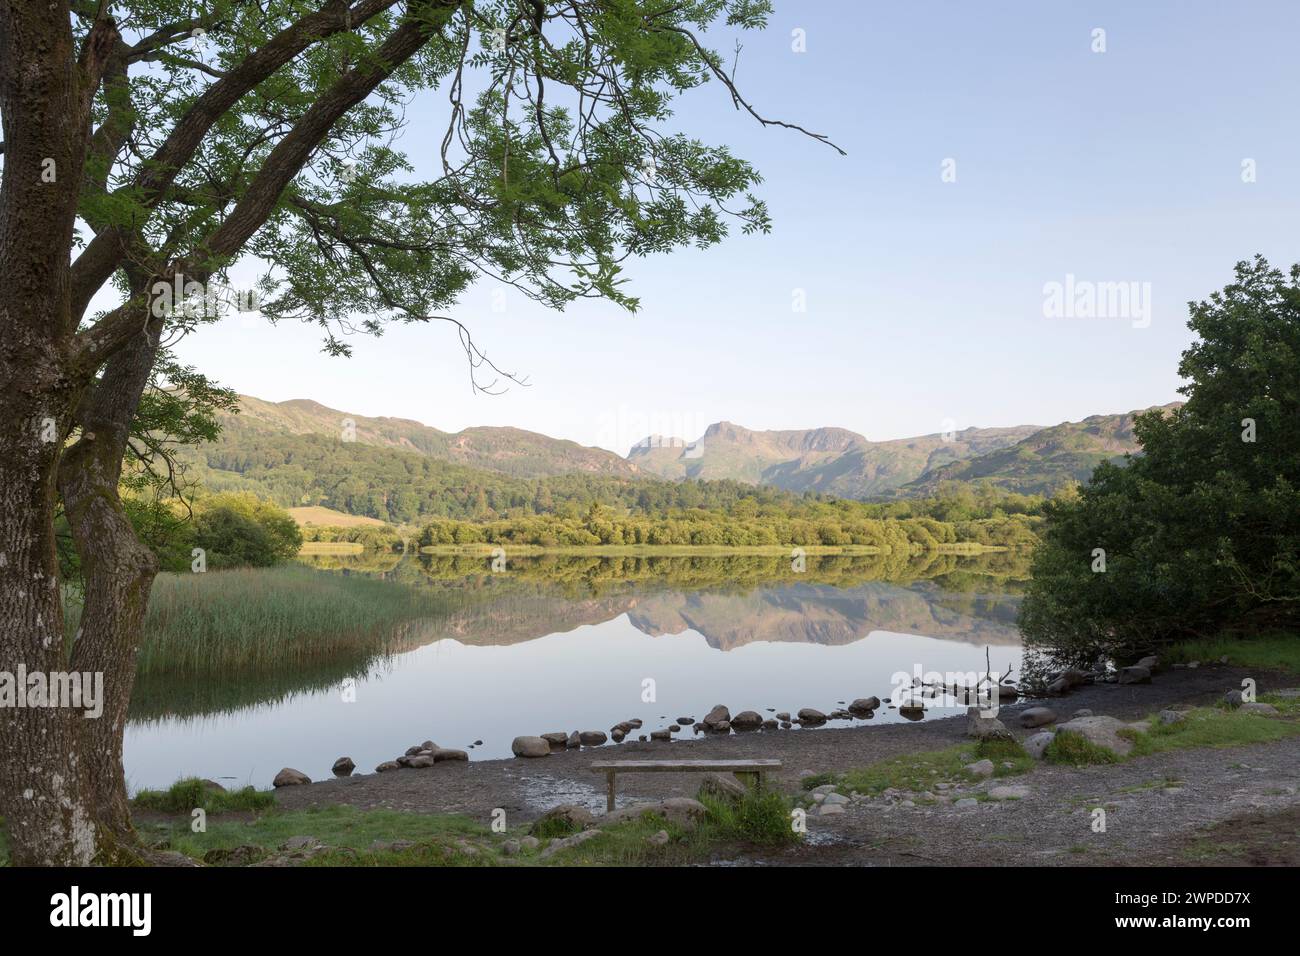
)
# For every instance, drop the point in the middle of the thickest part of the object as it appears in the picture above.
(579, 818)
(624, 727)
(1151, 663)
(1134, 675)
(723, 785)
(574, 741)
(428, 745)
(1234, 698)
(829, 809)
(1081, 712)
(747, 720)
(1264, 710)
(1037, 717)
(555, 846)
(810, 715)
(388, 765)
(635, 722)
(288, 777)
(783, 716)
(980, 768)
(685, 721)
(617, 735)
(1008, 692)
(1101, 731)
(661, 735)
(530, 747)
(444, 754)
(985, 728)
(556, 739)
(592, 738)
(721, 727)
(1036, 744)
(683, 811)
(343, 767)
(912, 710)
(1172, 717)
(864, 705)
(769, 724)
(719, 714)
(419, 762)
(658, 839)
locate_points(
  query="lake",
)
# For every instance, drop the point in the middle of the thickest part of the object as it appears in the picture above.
(563, 643)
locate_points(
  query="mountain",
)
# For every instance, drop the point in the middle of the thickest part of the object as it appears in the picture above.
(826, 460)
(1043, 461)
(507, 451)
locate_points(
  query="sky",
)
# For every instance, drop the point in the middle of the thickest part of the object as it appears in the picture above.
(992, 151)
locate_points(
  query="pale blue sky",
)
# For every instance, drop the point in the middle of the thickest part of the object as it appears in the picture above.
(925, 298)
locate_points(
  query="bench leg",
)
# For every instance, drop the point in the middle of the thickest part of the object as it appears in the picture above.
(609, 791)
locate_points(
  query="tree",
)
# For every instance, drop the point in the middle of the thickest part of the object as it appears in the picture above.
(149, 144)
(1201, 531)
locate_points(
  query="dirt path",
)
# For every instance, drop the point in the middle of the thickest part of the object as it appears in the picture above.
(1147, 821)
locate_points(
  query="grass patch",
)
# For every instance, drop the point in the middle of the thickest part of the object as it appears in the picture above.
(1076, 750)
(253, 620)
(1270, 652)
(185, 796)
(553, 827)
(1214, 727)
(919, 772)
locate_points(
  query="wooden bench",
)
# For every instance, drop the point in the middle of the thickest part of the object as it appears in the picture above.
(750, 772)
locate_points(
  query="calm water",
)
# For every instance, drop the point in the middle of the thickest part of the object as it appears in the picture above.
(563, 644)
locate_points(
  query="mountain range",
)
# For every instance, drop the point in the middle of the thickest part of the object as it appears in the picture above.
(831, 461)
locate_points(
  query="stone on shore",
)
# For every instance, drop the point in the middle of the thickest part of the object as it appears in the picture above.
(556, 738)
(1101, 731)
(1264, 710)
(1037, 717)
(343, 767)
(864, 705)
(718, 715)
(985, 728)
(530, 747)
(1009, 793)
(1134, 675)
(1036, 744)
(810, 715)
(569, 813)
(747, 720)
(980, 768)
(388, 765)
(288, 777)
(592, 738)
(444, 754)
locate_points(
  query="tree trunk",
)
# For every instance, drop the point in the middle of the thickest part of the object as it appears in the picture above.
(117, 569)
(43, 795)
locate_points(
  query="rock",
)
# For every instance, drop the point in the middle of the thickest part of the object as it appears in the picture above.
(980, 768)
(912, 710)
(661, 735)
(343, 767)
(746, 720)
(673, 728)
(1192, 665)
(685, 721)
(723, 785)
(592, 738)
(1234, 698)
(1102, 731)
(658, 839)
(1008, 692)
(1008, 793)
(829, 809)
(1134, 675)
(288, 777)
(965, 802)
(243, 855)
(556, 739)
(864, 705)
(555, 846)
(721, 727)
(412, 751)
(530, 747)
(1152, 663)
(477, 743)
(617, 735)
(641, 737)
(810, 715)
(419, 763)
(1264, 710)
(428, 745)
(834, 798)
(624, 727)
(783, 717)
(985, 728)
(574, 741)
(1035, 744)
(512, 848)
(444, 754)
(1172, 717)
(683, 811)
(388, 765)
(579, 818)
(718, 715)
(403, 761)
(1081, 712)
(530, 843)
(1037, 717)
(786, 725)
(770, 724)
(636, 723)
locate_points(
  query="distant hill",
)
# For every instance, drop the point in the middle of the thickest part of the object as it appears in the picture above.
(506, 451)
(827, 460)
(1044, 461)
